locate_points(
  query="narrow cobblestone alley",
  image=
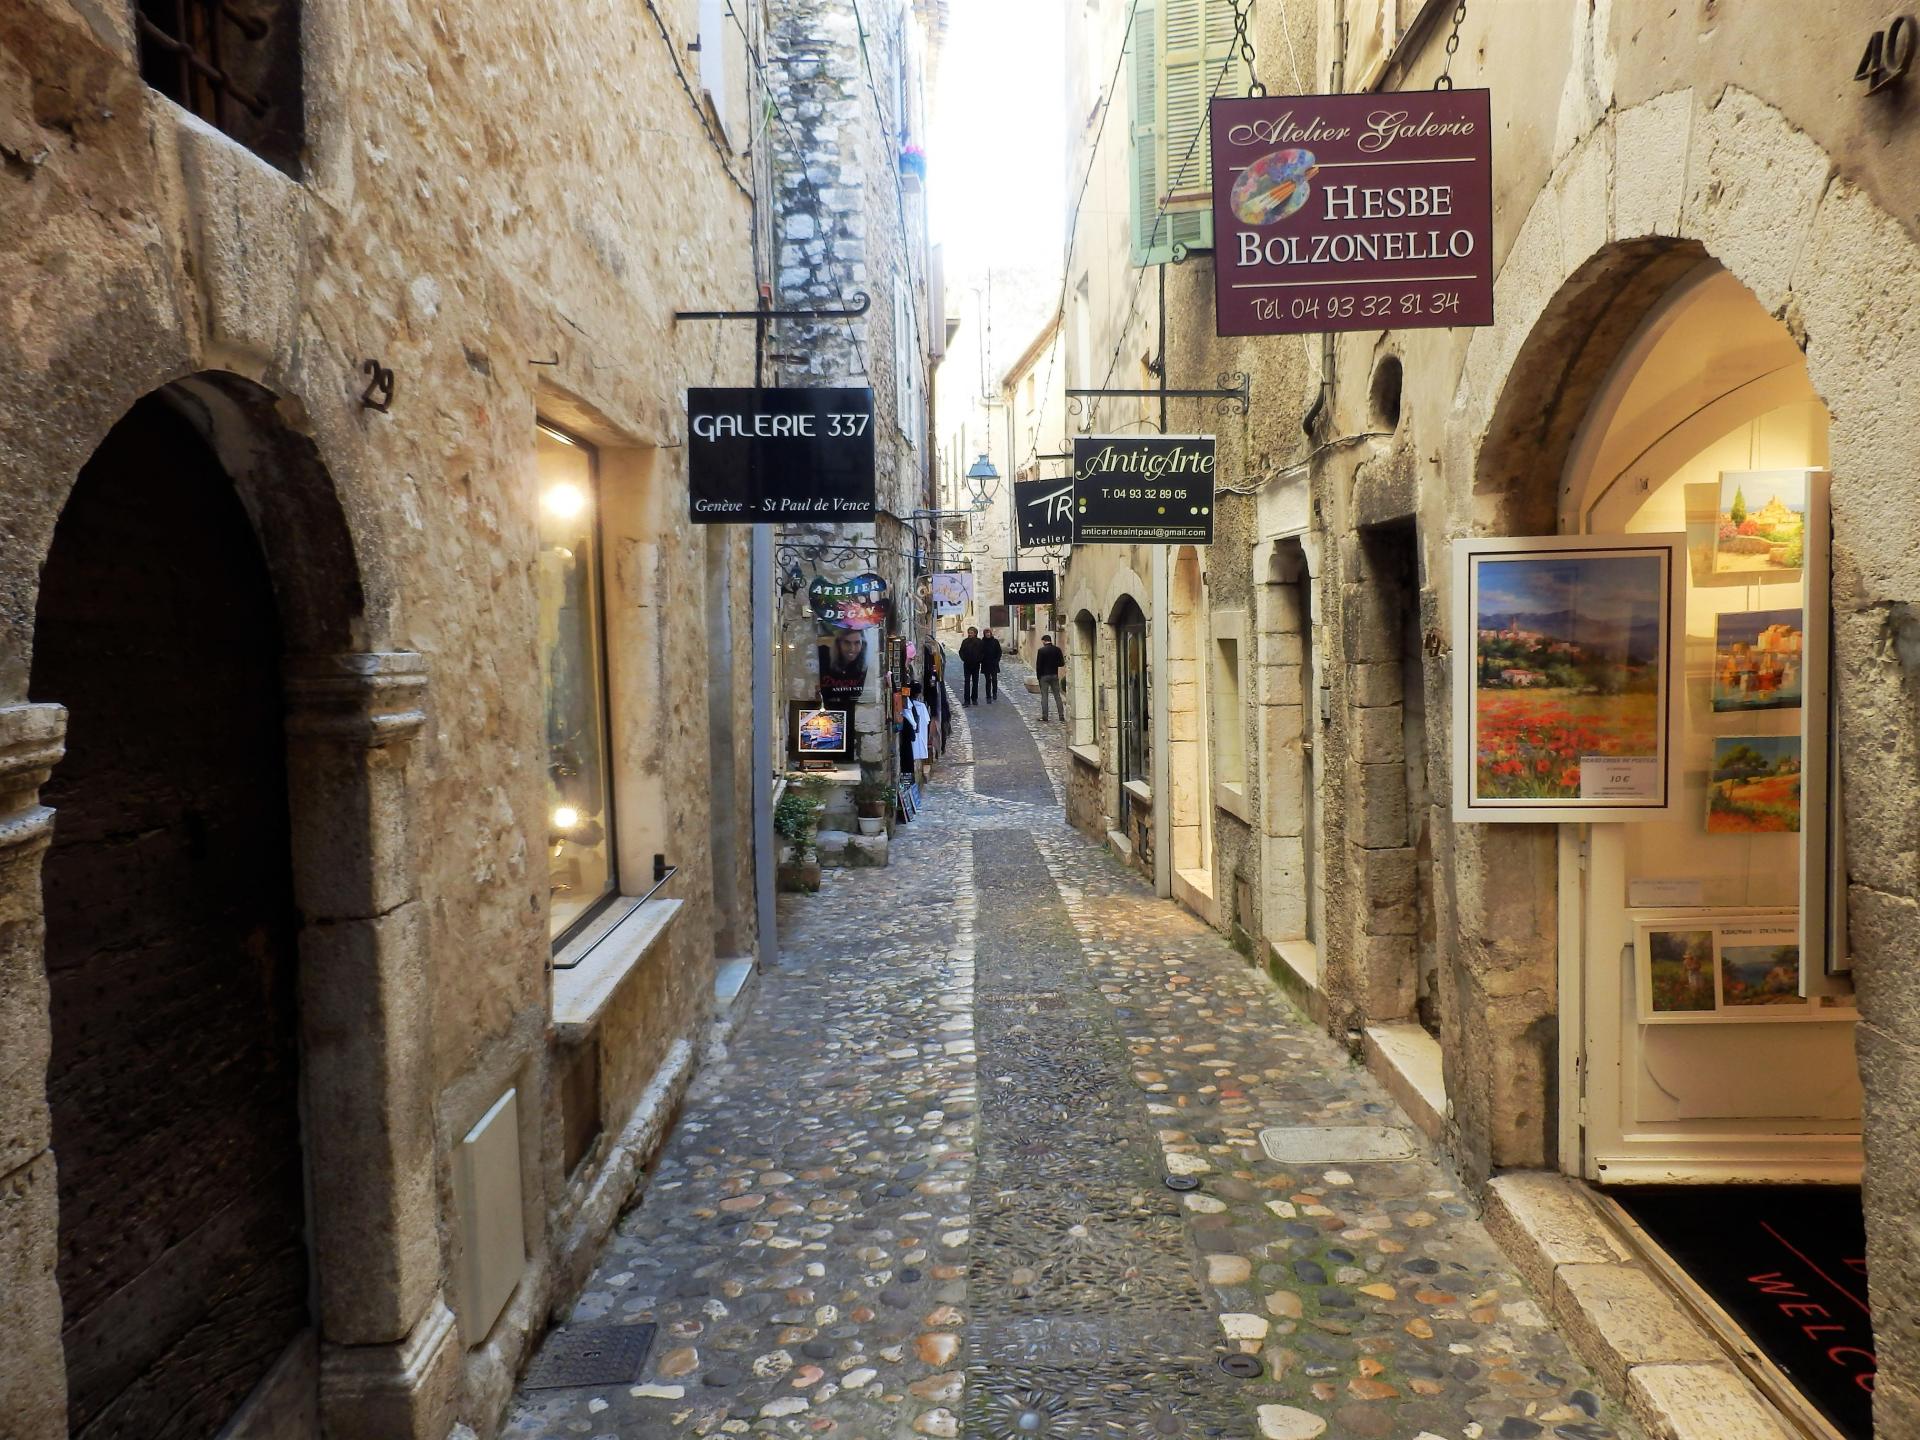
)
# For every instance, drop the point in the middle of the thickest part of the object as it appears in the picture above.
(925, 1189)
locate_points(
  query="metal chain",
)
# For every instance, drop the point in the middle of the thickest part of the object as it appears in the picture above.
(1445, 82)
(1240, 13)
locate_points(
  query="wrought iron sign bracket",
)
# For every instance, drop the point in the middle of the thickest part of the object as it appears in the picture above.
(765, 315)
(1234, 394)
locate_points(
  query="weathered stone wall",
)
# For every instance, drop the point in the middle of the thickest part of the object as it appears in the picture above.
(1640, 141)
(507, 256)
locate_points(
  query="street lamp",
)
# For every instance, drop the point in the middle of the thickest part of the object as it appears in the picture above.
(978, 475)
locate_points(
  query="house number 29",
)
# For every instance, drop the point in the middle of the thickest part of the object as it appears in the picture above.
(1889, 53)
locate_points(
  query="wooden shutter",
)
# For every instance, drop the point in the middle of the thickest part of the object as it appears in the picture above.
(1177, 72)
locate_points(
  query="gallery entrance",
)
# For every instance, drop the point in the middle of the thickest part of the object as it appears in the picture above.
(1706, 1009)
(170, 939)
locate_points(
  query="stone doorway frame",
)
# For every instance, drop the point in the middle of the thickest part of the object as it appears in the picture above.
(387, 1348)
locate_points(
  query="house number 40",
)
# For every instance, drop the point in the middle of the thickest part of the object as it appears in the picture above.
(1888, 54)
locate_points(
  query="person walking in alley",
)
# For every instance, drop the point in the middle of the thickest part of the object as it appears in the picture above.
(970, 665)
(922, 719)
(1046, 666)
(990, 664)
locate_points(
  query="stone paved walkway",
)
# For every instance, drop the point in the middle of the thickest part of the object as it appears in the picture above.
(877, 1220)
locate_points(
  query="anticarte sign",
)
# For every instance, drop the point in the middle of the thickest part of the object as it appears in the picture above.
(1143, 489)
(762, 457)
(1044, 510)
(1027, 587)
(1352, 212)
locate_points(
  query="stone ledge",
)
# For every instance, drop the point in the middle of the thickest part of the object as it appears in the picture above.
(1618, 1317)
(1544, 1221)
(1699, 1402)
(582, 992)
(1086, 754)
(1406, 1060)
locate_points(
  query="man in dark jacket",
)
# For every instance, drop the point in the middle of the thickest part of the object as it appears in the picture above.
(990, 664)
(1046, 666)
(970, 665)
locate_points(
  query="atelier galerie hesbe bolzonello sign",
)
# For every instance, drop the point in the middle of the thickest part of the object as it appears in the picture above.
(1352, 212)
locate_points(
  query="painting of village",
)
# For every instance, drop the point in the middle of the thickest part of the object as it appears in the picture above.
(1760, 975)
(1755, 785)
(1680, 971)
(1762, 522)
(1568, 651)
(1757, 660)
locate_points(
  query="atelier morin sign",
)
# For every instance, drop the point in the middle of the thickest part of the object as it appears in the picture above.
(1027, 587)
(760, 457)
(1044, 509)
(1352, 212)
(1143, 489)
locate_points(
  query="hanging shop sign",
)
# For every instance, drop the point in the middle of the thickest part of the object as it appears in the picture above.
(1143, 489)
(1352, 212)
(1567, 677)
(1027, 587)
(763, 457)
(856, 604)
(1044, 512)
(952, 591)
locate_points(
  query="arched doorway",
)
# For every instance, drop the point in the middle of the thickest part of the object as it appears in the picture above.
(1191, 803)
(170, 942)
(1133, 727)
(1705, 1028)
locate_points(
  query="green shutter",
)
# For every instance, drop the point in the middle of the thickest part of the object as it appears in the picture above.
(1143, 76)
(1190, 40)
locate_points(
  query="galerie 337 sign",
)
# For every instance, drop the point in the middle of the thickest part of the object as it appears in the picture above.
(1352, 212)
(760, 457)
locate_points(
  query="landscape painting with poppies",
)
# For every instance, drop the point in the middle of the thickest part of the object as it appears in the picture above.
(1567, 658)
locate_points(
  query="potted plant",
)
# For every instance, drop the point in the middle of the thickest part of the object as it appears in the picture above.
(913, 161)
(872, 800)
(795, 819)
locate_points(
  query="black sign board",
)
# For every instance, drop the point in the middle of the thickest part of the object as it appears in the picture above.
(762, 457)
(1027, 587)
(1143, 489)
(1044, 509)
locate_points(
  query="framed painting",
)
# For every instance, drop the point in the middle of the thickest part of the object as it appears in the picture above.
(1760, 529)
(1567, 677)
(1754, 785)
(1758, 660)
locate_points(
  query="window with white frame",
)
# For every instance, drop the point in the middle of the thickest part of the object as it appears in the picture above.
(906, 361)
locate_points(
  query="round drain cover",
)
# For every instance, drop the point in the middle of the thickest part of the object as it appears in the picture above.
(1242, 1367)
(1182, 1182)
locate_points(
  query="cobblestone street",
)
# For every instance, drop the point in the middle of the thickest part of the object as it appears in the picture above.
(985, 1159)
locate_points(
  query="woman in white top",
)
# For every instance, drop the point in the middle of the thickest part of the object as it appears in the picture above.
(923, 722)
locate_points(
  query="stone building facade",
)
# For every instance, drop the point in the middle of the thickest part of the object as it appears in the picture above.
(849, 84)
(1704, 248)
(308, 1121)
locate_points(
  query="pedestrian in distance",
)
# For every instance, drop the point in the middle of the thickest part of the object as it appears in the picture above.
(970, 665)
(990, 664)
(1046, 665)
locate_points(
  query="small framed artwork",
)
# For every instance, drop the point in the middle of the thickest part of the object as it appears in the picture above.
(1758, 660)
(1567, 677)
(1760, 527)
(1712, 968)
(1754, 787)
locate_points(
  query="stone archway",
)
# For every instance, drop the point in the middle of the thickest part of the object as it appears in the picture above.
(338, 721)
(1599, 247)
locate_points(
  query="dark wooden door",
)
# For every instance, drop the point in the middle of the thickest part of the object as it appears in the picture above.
(170, 956)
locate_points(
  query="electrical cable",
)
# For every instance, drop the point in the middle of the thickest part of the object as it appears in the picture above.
(699, 110)
(1073, 220)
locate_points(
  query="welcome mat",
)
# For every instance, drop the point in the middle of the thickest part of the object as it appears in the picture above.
(1788, 1262)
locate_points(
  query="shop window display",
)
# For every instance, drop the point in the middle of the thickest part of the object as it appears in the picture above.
(572, 647)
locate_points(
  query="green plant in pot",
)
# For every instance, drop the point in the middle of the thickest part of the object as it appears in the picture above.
(796, 818)
(872, 803)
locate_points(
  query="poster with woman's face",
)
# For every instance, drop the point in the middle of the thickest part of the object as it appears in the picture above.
(843, 667)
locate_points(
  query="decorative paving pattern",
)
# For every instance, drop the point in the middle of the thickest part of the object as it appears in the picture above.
(864, 1230)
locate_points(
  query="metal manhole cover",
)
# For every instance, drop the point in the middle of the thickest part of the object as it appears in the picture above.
(1335, 1144)
(586, 1355)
